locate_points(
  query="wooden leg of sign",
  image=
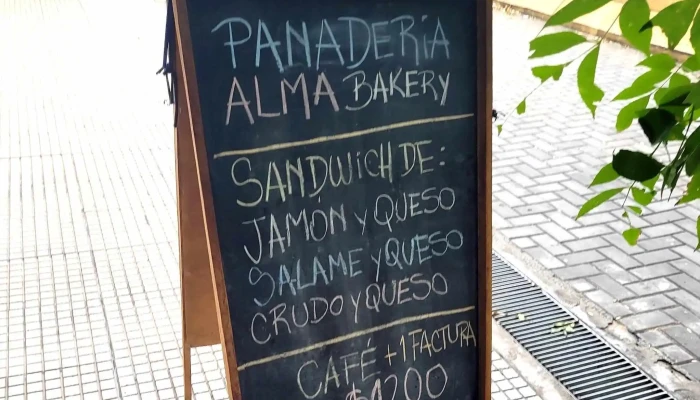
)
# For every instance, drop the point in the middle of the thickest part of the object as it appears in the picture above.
(187, 369)
(200, 326)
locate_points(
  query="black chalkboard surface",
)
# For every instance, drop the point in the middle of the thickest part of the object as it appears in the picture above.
(341, 143)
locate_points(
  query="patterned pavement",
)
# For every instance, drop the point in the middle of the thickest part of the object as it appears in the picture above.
(89, 281)
(543, 163)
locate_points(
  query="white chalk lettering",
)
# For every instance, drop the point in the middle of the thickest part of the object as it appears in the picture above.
(332, 46)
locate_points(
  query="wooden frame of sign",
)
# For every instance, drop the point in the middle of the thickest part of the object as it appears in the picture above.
(207, 317)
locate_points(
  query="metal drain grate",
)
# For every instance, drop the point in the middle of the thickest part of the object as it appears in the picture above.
(587, 366)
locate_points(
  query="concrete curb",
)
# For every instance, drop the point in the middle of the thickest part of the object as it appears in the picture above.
(541, 381)
(648, 359)
(505, 5)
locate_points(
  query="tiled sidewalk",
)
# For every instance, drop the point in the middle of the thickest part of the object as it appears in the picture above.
(543, 163)
(507, 384)
(89, 282)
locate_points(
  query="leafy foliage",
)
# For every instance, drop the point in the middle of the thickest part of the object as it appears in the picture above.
(554, 43)
(631, 235)
(590, 92)
(674, 20)
(633, 16)
(574, 10)
(663, 100)
(605, 175)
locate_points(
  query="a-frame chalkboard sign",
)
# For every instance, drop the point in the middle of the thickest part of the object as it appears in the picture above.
(334, 201)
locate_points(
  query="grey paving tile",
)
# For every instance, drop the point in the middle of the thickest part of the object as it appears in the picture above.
(656, 257)
(518, 232)
(611, 286)
(693, 369)
(676, 354)
(657, 218)
(552, 245)
(545, 258)
(586, 244)
(652, 286)
(563, 221)
(655, 338)
(609, 304)
(649, 303)
(686, 282)
(687, 266)
(685, 317)
(648, 320)
(555, 230)
(654, 271)
(620, 257)
(524, 242)
(619, 274)
(590, 231)
(657, 243)
(578, 271)
(683, 336)
(686, 299)
(581, 257)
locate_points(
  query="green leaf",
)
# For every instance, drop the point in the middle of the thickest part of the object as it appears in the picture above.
(630, 112)
(632, 235)
(635, 166)
(659, 61)
(645, 83)
(674, 20)
(545, 72)
(691, 164)
(554, 43)
(691, 114)
(692, 143)
(677, 111)
(650, 183)
(676, 133)
(695, 35)
(635, 209)
(692, 192)
(677, 86)
(597, 200)
(605, 175)
(691, 64)
(694, 95)
(499, 128)
(673, 95)
(634, 14)
(656, 124)
(642, 197)
(521, 107)
(590, 92)
(574, 10)
(679, 80)
(671, 173)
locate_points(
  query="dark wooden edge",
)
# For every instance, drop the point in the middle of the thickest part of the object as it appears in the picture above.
(186, 355)
(184, 45)
(484, 20)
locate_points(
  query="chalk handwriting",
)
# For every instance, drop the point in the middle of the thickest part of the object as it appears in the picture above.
(312, 175)
(275, 99)
(316, 378)
(274, 233)
(287, 318)
(346, 41)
